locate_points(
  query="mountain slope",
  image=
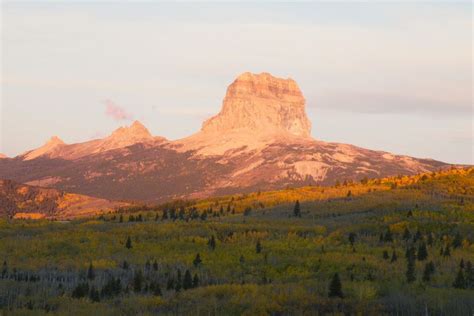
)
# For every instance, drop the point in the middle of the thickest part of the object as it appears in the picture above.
(25, 201)
(260, 140)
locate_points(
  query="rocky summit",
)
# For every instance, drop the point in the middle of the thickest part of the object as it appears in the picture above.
(261, 104)
(260, 140)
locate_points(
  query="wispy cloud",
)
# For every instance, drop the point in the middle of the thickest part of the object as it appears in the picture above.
(116, 112)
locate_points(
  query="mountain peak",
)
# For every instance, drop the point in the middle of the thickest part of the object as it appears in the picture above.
(53, 144)
(136, 131)
(262, 104)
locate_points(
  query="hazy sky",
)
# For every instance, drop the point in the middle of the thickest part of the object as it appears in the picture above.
(386, 76)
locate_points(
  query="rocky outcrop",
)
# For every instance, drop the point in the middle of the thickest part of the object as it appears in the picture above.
(54, 144)
(261, 104)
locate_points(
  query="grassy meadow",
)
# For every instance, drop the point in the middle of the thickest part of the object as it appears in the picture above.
(393, 246)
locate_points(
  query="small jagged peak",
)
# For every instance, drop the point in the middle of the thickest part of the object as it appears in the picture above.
(55, 140)
(135, 131)
(2, 156)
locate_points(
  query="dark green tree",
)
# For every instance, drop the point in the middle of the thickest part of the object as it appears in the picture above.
(179, 281)
(394, 257)
(94, 295)
(128, 243)
(121, 218)
(258, 247)
(406, 234)
(212, 243)
(335, 287)
(459, 281)
(197, 261)
(457, 241)
(388, 236)
(410, 274)
(138, 281)
(447, 251)
(297, 209)
(188, 280)
(422, 252)
(195, 280)
(91, 272)
(428, 271)
(385, 255)
(352, 238)
(469, 275)
(155, 266)
(417, 236)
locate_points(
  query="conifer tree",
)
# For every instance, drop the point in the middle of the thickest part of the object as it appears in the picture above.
(335, 287)
(385, 255)
(352, 238)
(197, 261)
(94, 295)
(457, 241)
(410, 274)
(125, 265)
(90, 272)
(242, 259)
(138, 281)
(460, 281)
(212, 243)
(258, 247)
(469, 275)
(128, 243)
(188, 280)
(121, 218)
(422, 252)
(428, 271)
(179, 281)
(388, 236)
(297, 209)
(155, 266)
(157, 290)
(195, 281)
(417, 236)
(447, 251)
(406, 234)
(394, 257)
(430, 239)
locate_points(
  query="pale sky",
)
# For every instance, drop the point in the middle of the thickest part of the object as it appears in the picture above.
(385, 76)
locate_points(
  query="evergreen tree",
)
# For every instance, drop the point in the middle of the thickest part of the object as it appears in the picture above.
(138, 281)
(197, 261)
(461, 264)
(469, 275)
(164, 216)
(179, 281)
(417, 236)
(242, 259)
(128, 243)
(388, 236)
(394, 257)
(460, 281)
(90, 272)
(212, 243)
(131, 218)
(94, 295)
(258, 247)
(81, 290)
(422, 252)
(352, 238)
(195, 280)
(430, 239)
(428, 271)
(406, 234)
(188, 280)
(125, 265)
(335, 287)
(121, 218)
(297, 209)
(410, 274)
(155, 266)
(385, 255)
(349, 193)
(447, 252)
(457, 241)
(157, 290)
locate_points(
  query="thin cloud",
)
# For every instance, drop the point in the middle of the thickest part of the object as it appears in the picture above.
(116, 112)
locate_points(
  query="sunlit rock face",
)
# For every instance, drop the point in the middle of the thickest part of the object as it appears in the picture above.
(262, 104)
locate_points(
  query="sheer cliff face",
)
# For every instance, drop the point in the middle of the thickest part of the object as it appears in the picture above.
(261, 104)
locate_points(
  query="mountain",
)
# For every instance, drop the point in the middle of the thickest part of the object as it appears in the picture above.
(260, 140)
(25, 201)
(3, 156)
(120, 138)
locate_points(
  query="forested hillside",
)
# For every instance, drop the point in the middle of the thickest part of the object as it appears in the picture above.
(394, 246)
